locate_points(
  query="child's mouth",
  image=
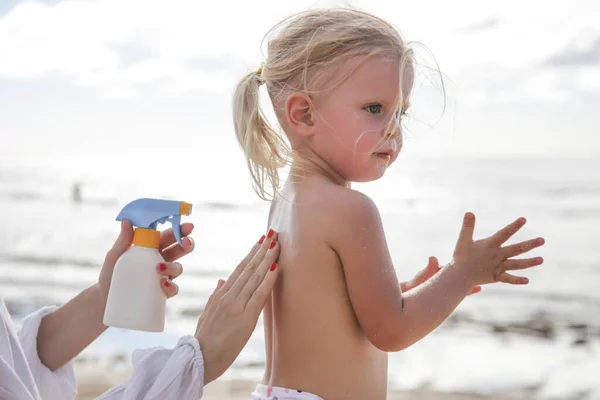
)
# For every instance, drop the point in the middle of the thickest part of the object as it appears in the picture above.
(384, 156)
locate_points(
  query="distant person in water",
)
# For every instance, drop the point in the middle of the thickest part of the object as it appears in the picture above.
(76, 192)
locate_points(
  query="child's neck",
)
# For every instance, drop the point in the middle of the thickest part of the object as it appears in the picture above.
(304, 167)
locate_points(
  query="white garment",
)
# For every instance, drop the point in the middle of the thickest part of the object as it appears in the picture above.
(158, 373)
(22, 374)
(264, 392)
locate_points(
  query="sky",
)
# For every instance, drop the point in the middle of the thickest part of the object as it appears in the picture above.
(83, 82)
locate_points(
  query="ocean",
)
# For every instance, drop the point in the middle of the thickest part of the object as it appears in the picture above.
(541, 340)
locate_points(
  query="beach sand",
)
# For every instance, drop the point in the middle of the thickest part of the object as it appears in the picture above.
(93, 381)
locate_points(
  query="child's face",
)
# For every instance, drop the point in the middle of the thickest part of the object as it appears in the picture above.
(351, 120)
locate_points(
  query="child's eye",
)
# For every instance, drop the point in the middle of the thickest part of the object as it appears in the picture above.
(401, 113)
(373, 108)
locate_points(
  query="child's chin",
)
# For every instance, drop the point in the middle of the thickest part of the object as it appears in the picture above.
(372, 176)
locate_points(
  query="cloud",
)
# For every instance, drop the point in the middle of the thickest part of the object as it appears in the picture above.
(536, 86)
(589, 79)
(131, 53)
(129, 47)
(6, 5)
(481, 26)
(574, 56)
(544, 86)
(120, 46)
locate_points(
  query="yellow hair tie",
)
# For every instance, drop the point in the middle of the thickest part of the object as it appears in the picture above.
(260, 69)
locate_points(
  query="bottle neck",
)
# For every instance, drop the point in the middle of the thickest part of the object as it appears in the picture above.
(145, 237)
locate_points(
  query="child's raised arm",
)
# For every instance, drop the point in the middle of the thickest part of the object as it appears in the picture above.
(390, 320)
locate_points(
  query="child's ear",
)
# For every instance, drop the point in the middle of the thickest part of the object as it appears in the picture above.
(299, 114)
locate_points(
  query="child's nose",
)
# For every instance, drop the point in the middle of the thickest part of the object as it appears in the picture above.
(393, 130)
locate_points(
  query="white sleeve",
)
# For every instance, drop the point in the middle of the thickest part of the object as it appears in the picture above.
(57, 384)
(165, 374)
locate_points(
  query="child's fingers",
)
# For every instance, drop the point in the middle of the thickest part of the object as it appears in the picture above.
(466, 231)
(522, 247)
(432, 268)
(513, 265)
(169, 288)
(169, 269)
(433, 264)
(513, 280)
(476, 289)
(500, 237)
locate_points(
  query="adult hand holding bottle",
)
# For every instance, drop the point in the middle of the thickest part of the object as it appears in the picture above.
(51, 337)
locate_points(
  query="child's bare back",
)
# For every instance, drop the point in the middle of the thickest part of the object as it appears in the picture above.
(313, 339)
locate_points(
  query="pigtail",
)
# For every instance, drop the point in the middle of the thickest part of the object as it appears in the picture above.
(265, 150)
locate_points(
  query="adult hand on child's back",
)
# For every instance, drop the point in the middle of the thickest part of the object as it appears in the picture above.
(487, 261)
(232, 311)
(432, 268)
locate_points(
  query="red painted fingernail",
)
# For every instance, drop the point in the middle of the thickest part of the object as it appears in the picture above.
(162, 267)
(262, 239)
(270, 234)
(273, 266)
(273, 243)
(167, 283)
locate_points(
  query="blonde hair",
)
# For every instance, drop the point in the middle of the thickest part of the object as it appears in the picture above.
(311, 41)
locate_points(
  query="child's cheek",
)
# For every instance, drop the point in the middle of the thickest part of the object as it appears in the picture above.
(369, 138)
(376, 128)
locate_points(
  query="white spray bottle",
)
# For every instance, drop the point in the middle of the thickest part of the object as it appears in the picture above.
(135, 298)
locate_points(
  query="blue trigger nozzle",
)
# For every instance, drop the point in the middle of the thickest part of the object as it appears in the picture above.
(149, 213)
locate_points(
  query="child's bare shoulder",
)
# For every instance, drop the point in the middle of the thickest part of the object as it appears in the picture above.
(347, 208)
(349, 203)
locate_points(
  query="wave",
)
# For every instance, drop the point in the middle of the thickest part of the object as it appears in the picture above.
(48, 261)
(541, 324)
(19, 309)
(33, 261)
(22, 196)
(545, 297)
(583, 189)
(109, 202)
(579, 213)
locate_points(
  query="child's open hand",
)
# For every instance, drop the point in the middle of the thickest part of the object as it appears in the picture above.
(486, 261)
(425, 274)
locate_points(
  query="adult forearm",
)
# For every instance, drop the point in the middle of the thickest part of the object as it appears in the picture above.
(64, 333)
(431, 303)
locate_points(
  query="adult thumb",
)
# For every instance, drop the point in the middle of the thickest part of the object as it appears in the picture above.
(122, 243)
